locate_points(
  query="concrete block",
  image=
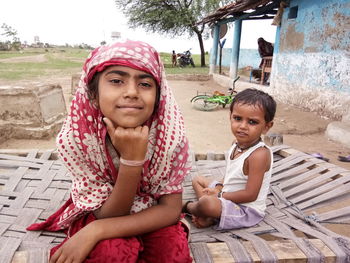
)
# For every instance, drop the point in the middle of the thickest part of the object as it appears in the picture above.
(31, 112)
(346, 117)
(272, 139)
(188, 77)
(339, 131)
(223, 81)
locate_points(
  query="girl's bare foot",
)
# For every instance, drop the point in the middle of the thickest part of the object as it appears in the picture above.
(202, 222)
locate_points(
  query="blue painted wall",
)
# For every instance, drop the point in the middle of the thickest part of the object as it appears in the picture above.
(247, 57)
(311, 66)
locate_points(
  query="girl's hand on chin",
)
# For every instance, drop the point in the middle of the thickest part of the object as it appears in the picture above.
(131, 143)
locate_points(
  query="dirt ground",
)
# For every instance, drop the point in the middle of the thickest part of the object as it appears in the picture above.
(210, 132)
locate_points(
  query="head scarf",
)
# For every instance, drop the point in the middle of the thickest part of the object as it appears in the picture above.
(82, 140)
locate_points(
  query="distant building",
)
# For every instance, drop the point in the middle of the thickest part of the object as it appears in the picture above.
(310, 66)
(115, 35)
(36, 39)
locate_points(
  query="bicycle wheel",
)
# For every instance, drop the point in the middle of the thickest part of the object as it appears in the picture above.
(202, 103)
(227, 101)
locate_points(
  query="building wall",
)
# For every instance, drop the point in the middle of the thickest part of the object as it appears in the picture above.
(311, 67)
(247, 57)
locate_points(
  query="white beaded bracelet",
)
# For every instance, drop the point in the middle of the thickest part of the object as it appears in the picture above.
(132, 162)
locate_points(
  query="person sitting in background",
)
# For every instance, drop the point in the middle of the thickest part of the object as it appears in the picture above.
(265, 49)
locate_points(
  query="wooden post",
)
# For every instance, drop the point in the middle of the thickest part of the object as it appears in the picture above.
(214, 50)
(235, 48)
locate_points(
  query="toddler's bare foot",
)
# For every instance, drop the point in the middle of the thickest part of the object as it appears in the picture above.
(202, 222)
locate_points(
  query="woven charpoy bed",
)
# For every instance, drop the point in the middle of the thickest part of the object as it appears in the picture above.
(308, 205)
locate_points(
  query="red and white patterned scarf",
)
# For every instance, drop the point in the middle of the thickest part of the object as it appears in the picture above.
(82, 140)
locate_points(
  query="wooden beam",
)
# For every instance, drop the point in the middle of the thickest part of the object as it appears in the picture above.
(258, 11)
(20, 257)
(285, 250)
(260, 18)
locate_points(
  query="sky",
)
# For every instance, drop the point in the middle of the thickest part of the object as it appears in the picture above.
(92, 21)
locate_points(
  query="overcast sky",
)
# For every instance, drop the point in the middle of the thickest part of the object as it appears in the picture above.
(92, 21)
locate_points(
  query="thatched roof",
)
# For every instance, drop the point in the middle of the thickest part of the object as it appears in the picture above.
(247, 9)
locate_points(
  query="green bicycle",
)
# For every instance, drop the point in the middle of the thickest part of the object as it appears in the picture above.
(205, 102)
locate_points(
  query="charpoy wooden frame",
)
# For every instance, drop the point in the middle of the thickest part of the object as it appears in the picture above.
(307, 194)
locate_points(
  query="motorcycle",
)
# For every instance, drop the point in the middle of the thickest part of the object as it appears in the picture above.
(184, 59)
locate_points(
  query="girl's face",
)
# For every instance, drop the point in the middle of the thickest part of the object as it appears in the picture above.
(126, 96)
(248, 123)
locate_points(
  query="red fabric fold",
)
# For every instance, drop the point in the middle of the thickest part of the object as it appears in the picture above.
(51, 224)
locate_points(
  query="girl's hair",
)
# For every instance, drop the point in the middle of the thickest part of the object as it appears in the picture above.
(93, 90)
(258, 98)
(93, 87)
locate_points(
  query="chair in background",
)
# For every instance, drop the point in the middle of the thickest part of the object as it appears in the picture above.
(266, 68)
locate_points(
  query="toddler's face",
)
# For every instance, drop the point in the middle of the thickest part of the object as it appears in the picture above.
(126, 96)
(248, 123)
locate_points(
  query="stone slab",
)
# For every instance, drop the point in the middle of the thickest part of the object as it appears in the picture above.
(339, 131)
(31, 112)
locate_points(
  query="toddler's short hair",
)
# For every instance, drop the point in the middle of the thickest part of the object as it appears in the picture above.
(259, 98)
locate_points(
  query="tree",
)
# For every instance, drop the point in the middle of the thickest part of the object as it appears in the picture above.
(173, 17)
(8, 31)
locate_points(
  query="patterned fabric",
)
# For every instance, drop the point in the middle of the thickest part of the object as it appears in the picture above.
(82, 140)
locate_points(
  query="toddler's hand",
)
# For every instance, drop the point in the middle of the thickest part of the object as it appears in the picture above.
(210, 191)
(131, 143)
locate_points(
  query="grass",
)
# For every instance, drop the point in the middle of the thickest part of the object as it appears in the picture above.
(56, 61)
(61, 61)
(166, 58)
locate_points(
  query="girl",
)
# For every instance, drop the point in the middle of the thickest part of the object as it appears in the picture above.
(125, 147)
(240, 200)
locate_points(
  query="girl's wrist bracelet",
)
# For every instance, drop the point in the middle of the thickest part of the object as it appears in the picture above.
(132, 162)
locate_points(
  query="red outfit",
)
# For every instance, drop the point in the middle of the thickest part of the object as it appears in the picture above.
(168, 244)
(83, 149)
